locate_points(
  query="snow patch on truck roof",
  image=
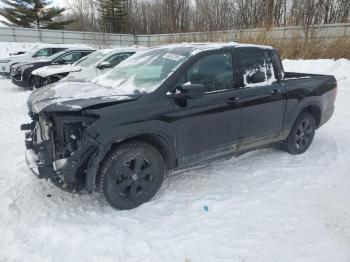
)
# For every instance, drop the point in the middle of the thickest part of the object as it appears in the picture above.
(207, 46)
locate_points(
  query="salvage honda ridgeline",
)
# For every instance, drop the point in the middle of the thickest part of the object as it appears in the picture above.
(168, 108)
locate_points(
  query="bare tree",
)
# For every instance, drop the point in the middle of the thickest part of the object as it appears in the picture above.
(176, 16)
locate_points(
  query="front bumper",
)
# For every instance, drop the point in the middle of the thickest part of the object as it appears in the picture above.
(19, 81)
(37, 167)
(67, 173)
(32, 162)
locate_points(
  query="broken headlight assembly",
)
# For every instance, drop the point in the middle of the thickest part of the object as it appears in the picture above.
(69, 135)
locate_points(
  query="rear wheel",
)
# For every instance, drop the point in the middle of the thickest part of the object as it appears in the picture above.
(301, 135)
(131, 175)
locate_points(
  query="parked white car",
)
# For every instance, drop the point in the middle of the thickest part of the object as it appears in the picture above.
(86, 68)
(37, 52)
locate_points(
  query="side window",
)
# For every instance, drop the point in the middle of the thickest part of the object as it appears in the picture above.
(42, 52)
(215, 72)
(69, 58)
(86, 53)
(56, 50)
(116, 59)
(255, 68)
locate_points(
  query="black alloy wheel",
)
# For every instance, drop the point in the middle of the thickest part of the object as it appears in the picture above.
(302, 134)
(131, 175)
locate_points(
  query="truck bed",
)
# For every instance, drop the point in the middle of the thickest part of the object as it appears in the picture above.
(294, 75)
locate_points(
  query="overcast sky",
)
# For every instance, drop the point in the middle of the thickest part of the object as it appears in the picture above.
(59, 3)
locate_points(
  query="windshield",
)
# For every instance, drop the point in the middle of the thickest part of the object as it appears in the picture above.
(144, 72)
(34, 49)
(93, 58)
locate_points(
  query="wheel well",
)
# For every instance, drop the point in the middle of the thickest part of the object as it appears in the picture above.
(13, 64)
(315, 111)
(158, 142)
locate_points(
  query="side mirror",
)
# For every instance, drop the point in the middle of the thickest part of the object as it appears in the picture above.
(104, 64)
(191, 91)
(258, 77)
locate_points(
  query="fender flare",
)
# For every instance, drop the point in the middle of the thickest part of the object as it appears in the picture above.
(102, 150)
(302, 106)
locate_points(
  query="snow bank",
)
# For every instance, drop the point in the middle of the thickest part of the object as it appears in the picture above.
(339, 68)
(266, 205)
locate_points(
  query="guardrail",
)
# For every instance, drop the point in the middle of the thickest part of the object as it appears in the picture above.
(8, 34)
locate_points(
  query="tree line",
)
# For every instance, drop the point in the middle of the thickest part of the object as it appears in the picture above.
(173, 16)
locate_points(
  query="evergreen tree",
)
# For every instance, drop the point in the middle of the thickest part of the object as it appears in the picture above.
(32, 14)
(113, 15)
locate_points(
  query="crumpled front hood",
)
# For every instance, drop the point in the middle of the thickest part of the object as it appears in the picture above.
(73, 96)
(46, 71)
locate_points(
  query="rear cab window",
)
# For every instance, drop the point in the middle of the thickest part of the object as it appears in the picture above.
(255, 68)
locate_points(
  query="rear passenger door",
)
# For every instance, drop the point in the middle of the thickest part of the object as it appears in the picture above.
(261, 98)
(207, 127)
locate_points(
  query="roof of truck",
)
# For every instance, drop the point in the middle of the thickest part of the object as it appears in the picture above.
(195, 48)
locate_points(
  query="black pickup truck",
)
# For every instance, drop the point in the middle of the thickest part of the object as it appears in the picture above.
(168, 108)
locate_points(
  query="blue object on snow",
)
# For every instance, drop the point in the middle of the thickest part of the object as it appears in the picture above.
(205, 208)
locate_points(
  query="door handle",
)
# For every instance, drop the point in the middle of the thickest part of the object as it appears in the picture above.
(276, 91)
(232, 100)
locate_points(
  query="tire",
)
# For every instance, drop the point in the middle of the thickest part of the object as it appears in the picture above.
(131, 175)
(301, 135)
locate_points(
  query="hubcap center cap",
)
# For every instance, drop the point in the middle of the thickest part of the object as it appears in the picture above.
(134, 177)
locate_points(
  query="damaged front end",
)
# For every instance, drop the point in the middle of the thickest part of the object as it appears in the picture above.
(59, 148)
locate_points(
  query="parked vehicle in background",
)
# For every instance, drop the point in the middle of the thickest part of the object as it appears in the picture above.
(169, 108)
(84, 69)
(38, 51)
(21, 74)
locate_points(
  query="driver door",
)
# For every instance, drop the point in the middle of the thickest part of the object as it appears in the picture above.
(208, 127)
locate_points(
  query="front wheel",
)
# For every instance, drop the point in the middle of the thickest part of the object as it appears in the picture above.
(131, 175)
(301, 135)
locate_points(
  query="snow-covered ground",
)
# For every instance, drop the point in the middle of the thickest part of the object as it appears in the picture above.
(266, 205)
